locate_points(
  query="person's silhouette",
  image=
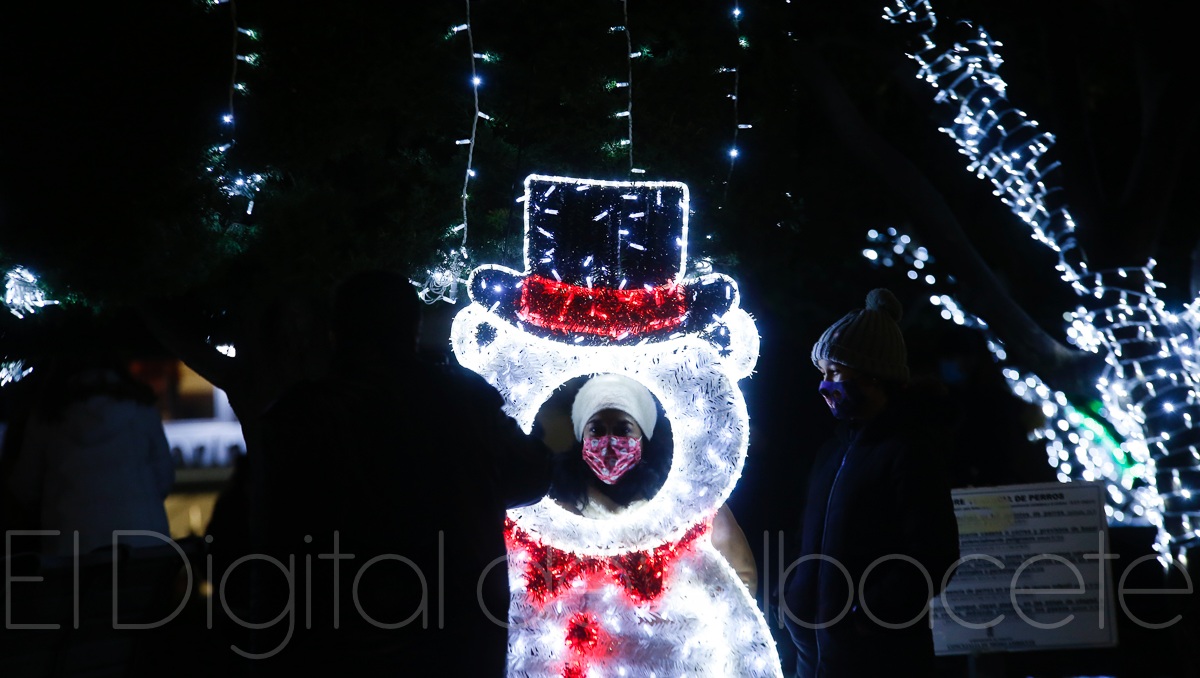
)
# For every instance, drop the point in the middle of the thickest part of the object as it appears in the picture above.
(93, 457)
(408, 467)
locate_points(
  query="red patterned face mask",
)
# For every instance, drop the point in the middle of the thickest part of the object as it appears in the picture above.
(610, 457)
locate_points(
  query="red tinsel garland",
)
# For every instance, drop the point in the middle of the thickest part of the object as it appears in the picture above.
(583, 633)
(567, 308)
(549, 570)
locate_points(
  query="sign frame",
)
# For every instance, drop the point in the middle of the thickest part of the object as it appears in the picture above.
(1035, 571)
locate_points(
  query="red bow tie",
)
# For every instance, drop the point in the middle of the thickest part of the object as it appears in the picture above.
(550, 570)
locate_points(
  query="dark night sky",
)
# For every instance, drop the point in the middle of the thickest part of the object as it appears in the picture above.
(107, 106)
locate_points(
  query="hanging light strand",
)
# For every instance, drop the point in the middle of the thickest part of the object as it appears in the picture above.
(234, 184)
(625, 144)
(630, 56)
(476, 81)
(1004, 145)
(443, 278)
(735, 74)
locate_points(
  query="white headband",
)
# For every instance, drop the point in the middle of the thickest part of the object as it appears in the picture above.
(614, 392)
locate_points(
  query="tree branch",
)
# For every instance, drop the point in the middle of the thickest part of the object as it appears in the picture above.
(1026, 343)
(186, 345)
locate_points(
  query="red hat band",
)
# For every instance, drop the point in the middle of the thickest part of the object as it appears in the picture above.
(616, 313)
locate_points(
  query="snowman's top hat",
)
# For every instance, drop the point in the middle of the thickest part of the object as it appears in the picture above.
(605, 263)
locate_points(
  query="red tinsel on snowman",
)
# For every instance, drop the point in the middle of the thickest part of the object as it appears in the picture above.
(632, 585)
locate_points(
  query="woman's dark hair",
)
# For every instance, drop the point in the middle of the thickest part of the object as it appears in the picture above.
(572, 474)
(73, 379)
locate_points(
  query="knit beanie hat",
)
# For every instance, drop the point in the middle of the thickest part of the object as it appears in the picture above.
(868, 339)
(616, 392)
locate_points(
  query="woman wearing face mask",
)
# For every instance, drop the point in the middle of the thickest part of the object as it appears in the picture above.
(878, 533)
(622, 458)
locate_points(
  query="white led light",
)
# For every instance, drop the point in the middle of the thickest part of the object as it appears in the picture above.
(22, 292)
(1148, 350)
(704, 622)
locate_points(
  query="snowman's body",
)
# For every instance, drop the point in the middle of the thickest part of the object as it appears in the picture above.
(700, 624)
(641, 592)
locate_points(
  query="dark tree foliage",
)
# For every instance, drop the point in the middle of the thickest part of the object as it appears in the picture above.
(355, 108)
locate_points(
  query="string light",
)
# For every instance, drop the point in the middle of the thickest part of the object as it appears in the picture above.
(661, 599)
(1148, 386)
(443, 278)
(733, 71)
(626, 143)
(237, 186)
(12, 371)
(23, 293)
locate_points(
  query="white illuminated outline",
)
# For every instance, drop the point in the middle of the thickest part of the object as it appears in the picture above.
(715, 628)
(1149, 382)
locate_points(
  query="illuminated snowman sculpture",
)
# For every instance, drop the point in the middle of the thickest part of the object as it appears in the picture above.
(642, 592)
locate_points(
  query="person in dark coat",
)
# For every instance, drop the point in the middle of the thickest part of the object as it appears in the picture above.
(93, 462)
(878, 533)
(385, 485)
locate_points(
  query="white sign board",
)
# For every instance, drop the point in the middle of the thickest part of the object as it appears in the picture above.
(1034, 572)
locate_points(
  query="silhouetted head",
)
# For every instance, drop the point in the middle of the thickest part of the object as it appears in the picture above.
(376, 313)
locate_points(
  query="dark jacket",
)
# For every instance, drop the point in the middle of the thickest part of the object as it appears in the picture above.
(411, 466)
(878, 508)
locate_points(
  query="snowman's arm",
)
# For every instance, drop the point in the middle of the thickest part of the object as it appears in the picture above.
(741, 354)
(729, 539)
